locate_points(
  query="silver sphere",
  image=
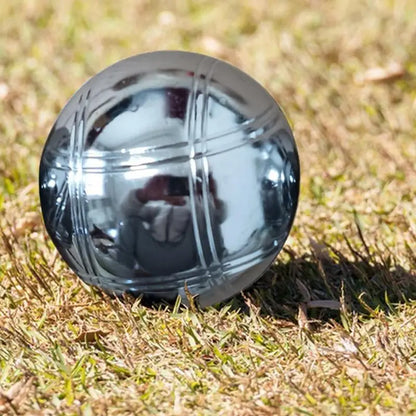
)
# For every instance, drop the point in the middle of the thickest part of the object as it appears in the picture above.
(168, 172)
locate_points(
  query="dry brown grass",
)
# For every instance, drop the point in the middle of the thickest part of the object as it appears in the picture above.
(331, 328)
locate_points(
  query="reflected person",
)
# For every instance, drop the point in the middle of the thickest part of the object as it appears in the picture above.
(156, 234)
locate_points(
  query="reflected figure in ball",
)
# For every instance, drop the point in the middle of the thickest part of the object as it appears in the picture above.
(156, 231)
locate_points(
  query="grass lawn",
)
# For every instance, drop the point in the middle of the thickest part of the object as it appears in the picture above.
(331, 328)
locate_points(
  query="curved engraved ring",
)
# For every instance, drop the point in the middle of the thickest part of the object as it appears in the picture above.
(170, 170)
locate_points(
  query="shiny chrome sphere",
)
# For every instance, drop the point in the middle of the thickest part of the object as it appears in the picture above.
(166, 171)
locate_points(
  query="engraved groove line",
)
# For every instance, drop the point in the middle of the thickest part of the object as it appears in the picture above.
(205, 166)
(191, 129)
(255, 137)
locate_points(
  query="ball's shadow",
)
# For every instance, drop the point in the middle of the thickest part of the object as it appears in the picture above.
(326, 283)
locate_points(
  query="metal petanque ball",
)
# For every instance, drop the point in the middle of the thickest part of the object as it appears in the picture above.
(168, 172)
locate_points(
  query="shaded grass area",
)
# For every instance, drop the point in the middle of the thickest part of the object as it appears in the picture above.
(330, 328)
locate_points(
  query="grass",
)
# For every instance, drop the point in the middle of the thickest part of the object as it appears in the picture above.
(330, 329)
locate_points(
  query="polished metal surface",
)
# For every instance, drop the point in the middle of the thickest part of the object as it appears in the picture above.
(170, 170)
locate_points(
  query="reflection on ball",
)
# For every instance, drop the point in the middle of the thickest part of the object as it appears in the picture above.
(167, 170)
